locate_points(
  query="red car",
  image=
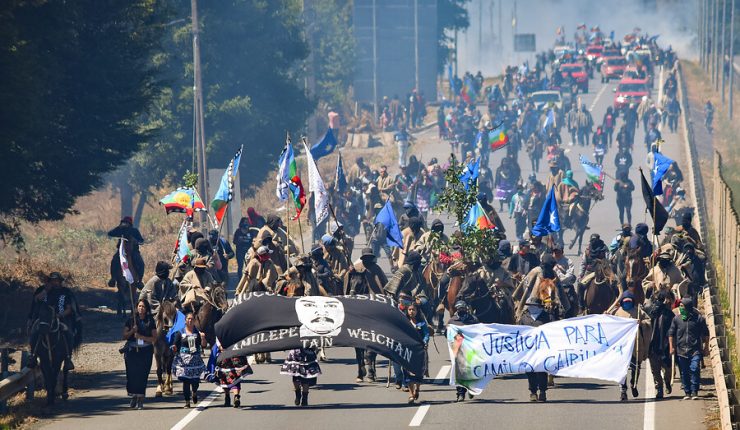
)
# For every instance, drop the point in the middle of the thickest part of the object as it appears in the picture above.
(612, 68)
(630, 91)
(593, 52)
(578, 71)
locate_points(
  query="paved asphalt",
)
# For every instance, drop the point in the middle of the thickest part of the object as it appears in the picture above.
(338, 402)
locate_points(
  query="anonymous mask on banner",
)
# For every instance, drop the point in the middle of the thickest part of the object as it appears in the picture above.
(319, 316)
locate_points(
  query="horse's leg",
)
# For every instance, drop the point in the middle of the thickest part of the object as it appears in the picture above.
(160, 370)
(65, 385)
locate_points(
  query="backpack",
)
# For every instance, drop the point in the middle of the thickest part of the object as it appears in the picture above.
(609, 121)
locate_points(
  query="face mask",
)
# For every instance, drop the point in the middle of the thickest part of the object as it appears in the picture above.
(664, 264)
(627, 306)
(683, 312)
(263, 258)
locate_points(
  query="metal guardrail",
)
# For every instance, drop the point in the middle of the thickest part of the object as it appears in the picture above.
(724, 380)
(25, 380)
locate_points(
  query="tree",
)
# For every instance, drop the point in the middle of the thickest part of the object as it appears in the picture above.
(77, 76)
(451, 16)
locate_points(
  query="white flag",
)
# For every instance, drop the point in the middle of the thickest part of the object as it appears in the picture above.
(124, 264)
(316, 186)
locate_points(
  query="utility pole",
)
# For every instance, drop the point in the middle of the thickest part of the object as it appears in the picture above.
(198, 126)
(375, 65)
(715, 74)
(700, 27)
(732, 56)
(416, 44)
(705, 31)
(722, 54)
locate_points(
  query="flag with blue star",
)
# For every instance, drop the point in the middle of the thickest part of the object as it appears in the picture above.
(549, 220)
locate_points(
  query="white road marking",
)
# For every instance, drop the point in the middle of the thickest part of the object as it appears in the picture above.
(598, 95)
(648, 421)
(419, 416)
(444, 372)
(198, 409)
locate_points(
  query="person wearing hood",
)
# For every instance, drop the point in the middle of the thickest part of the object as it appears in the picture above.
(411, 236)
(328, 283)
(640, 240)
(224, 253)
(408, 279)
(595, 261)
(567, 194)
(689, 229)
(534, 315)
(242, 243)
(623, 160)
(274, 227)
(665, 276)
(160, 288)
(659, 355)
(299, 280)
(628, 308)
(260, 273)
(688, 339)
(624, 187)
(521, 263)
(196, 284)
(425, 243)
(334, 256)
(537, 285)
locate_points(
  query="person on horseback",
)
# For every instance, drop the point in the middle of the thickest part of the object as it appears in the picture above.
(196, 284)
(299, 280)
(629, 309)
(521, 263)
(335, 256)
(555, 177)
(689, 229)
(534, 315)
(661, 315)
(568, 192)
(594, 263)
(160, 288)
(425, 244)
(462, 317)
(408, 279)
(126, 231)
(665, 276)
(328, 283)
(694, 265)
(260, 274)
(543, 283)
(55, 295)
(641, 240)
(410, 236)
(224, 253)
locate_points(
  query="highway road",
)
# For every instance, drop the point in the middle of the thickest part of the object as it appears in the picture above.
(338, 402)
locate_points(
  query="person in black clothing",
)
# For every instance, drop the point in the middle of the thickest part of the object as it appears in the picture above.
(462, 317)
(139, 351)
(659, 355)
(624, 188)
(534, 315)
(695, 267)
(53, 293)
(623, 160)
(688, 337)
(224, 251)
(521, 263)
(126, 231)
(242, 242)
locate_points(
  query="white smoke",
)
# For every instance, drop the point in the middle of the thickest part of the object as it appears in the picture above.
(480, 48)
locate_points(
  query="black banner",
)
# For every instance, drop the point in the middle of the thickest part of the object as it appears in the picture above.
(265, 322)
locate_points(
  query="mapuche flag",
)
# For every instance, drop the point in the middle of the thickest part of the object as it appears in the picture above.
(265, 322)
(225, 193)
(286, 171)
(477, 219)
(656, 210)
(498, 138)
(183, 200)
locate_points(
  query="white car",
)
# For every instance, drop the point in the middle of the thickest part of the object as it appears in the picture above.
(542, 98)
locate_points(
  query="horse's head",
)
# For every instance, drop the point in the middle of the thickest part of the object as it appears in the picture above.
(547, 293)
(47, 319)
(293, 288)
(166, 315)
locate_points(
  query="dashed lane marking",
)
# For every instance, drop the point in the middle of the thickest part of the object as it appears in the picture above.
(444, 373)
(198, 409)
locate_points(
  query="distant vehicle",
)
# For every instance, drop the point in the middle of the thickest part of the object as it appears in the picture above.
(632, 71)
(630, 91)
(542, 98)
(612, 68)
(578, 71)
(593, 53)
(561, 50)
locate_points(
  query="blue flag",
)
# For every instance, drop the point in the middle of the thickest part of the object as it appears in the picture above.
(393, 231)
(660, 166)
(340, 182)
(549, 120)
(470, 173)
(325, 146)
(177, 326)
(549, 219)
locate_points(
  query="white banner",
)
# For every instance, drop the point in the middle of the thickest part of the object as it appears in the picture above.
(124, 263)
(592, 346)
(316, 186)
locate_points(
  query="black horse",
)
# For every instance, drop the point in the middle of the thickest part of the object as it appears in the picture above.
(490, 304)
(52, 342)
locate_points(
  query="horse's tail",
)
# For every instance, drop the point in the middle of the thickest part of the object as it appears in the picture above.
(77, 340)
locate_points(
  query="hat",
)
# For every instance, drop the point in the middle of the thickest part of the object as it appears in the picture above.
(163, 268)
(262, 250)
(460, 304)
(548, 260)
(532, 177)
(327, 239)
(626, 227)
(686, 217)
(127, 219)
(367, 252)
(303, 261)
(688, 245)
(213, 233)
(408, 205)
(687, 302)
(481, 196)
(504, 245)
(56, 275)
(664, 256)
(523, 243)
(412, 257)
(200, 262)
(641, 229)
(437, 225)
(634, 242)
(317, 249)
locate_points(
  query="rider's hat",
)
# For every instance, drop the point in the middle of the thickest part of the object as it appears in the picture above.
(460, 304)
(56, 275)
(200, 263)
(664, 256)
(367, 252)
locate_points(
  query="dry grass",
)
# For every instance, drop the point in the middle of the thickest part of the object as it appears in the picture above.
(23, 413)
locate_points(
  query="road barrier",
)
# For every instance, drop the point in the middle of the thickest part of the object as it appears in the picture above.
(25, 380)
(724, 250)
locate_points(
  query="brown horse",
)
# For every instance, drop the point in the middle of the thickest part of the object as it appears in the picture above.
(210, 311)
(432, 275)
(457, 273)
(635, 271)
(163, 354)
(599, 292)
(578, 218)
(489, 303)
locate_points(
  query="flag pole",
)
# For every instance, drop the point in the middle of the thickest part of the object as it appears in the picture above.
(300, 232)
(344, 248)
